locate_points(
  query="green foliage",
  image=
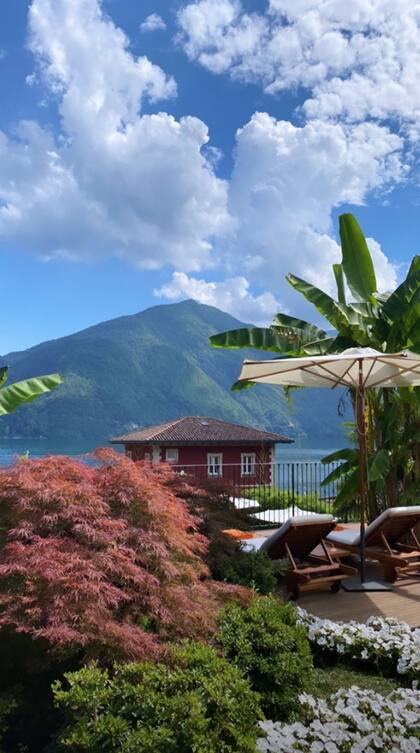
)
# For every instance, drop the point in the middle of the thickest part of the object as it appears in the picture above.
(26, 391)
(328, 680)
(357, 262)
(198, 704)
(272, 498)
(273, 651)
(253, 569)
(225, 558)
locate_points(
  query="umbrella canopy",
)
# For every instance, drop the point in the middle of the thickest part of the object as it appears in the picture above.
(357, 368)
(378, 370)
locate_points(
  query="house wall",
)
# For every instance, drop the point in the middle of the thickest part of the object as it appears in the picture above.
(194, 460)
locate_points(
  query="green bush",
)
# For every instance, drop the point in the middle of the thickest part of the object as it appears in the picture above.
(265, 642)
(198, 703)
(253, 569)
(273, 498)
(225, 559)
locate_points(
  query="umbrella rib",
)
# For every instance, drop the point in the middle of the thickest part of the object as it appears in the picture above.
(339, 380)
(412, 369)
(369, 372)
(331, 378)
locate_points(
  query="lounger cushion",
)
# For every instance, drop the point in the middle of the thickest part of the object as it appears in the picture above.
(352, 538)
(348, 536)
(252, 545)
(266, 543)
(302, 533)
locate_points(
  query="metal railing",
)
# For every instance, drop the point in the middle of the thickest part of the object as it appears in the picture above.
(274, 491)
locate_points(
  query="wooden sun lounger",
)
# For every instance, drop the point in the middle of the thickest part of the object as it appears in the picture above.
(295, 541)
(383, 542)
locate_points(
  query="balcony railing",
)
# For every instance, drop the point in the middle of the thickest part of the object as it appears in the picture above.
(274, 491)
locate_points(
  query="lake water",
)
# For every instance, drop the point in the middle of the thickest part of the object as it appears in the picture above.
(11, 448)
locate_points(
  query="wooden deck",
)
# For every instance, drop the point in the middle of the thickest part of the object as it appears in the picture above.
(402, 602)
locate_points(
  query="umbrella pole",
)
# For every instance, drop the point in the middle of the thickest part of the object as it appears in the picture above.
(361, 432)
(362, 584)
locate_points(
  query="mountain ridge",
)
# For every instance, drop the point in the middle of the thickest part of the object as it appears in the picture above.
(149, 367)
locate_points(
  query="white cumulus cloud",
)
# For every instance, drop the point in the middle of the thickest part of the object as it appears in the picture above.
(285, 184)
(358, 59)
(114, 181)
(233, 295)
(154, 22)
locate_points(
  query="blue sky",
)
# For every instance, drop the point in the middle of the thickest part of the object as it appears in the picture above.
(202, 155)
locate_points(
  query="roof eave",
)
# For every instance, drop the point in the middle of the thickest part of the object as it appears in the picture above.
(194, 442)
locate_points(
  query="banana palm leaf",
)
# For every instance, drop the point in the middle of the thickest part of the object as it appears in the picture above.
(4, 370)
(338, 473)
(339, 278)
(357, 261)
(326, 305)
(398, 302)
(15, 395)
(283, 320)
(346, 453)
(284, 340)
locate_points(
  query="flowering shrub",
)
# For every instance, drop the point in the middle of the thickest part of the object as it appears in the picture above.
(351, 721)
(102, 560)
(196, 703)
(273, 652)
(384, 643)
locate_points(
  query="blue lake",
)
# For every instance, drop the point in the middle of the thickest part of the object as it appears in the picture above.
(11, 448)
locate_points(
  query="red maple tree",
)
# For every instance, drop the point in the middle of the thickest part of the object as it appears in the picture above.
(105, 558)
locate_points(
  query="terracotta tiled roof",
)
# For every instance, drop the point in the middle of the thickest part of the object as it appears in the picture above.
(197, 430)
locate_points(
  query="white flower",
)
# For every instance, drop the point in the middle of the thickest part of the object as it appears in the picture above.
(385, 643)
(353, 721)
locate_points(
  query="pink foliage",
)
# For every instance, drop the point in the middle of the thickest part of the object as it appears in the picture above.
(106, 559)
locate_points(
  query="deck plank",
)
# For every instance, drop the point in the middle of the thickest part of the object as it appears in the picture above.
(402, 602)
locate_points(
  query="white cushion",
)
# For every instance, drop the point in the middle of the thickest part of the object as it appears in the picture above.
(298, 520)
(242, 503)
(252, 545)
(264, 542)
(392, 512)
(348, 536)
(352, 538)
(281, 515)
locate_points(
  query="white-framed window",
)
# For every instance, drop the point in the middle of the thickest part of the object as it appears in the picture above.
(247, 463)
(129, 454)
(171, 455)
(214, 464)
(148, 456)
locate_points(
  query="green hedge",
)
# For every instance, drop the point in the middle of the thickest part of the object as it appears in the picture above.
(199, 703)
(265, 642)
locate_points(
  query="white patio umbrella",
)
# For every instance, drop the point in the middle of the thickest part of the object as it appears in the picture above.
(358, 368)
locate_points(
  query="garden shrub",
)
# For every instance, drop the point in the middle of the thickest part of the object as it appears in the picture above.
(88, 552)
(253, 569)
(266, 642)
(225, 558)
(199, 703)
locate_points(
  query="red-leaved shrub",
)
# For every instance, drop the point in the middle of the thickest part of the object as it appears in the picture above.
(102, 559)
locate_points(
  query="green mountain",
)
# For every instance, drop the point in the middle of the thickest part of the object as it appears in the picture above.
(152, 367)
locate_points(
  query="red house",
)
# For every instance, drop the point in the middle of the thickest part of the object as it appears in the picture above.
(207, 447)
